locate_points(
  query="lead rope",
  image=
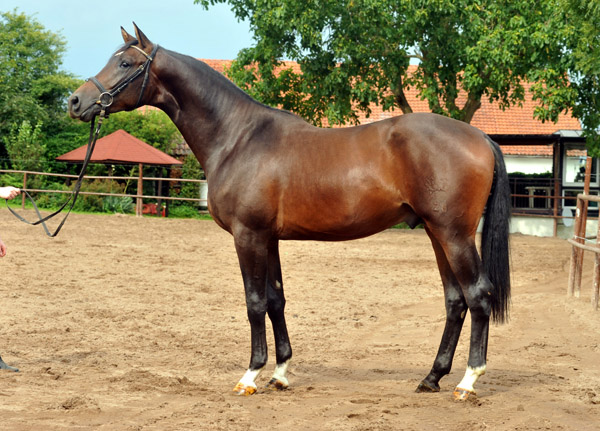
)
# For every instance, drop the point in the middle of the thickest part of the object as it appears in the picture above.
(73, 198)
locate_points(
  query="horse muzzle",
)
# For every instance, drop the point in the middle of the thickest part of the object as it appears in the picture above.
(83, 108)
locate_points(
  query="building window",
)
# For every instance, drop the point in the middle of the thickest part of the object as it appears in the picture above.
(574, 167)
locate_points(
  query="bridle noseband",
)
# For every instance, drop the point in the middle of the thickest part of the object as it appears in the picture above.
(106, 97)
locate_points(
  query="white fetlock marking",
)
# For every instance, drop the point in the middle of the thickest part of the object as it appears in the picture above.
(471, 376)
(249, 378)
(281, 371)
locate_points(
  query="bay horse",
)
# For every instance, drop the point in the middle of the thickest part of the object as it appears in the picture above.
(273, 176)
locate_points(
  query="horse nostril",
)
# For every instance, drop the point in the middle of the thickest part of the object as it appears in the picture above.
(74, 102)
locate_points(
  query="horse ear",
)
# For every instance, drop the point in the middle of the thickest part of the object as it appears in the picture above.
(126, 36)
(141, 37)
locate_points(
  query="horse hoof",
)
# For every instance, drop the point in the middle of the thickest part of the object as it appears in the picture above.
(462, 394)
(277, 385)
(242, 389)
(427, 387)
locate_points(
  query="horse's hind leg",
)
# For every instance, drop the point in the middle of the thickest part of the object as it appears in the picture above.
(462, 257)
(456, 308)
(275, 309)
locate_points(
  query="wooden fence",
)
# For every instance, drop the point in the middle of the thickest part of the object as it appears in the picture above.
(580, 244)
(139, 196)
(553, 201)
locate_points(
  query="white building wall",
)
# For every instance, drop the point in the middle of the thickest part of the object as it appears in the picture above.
(528, 165)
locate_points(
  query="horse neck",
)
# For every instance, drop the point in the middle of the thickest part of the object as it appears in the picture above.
(205, 106)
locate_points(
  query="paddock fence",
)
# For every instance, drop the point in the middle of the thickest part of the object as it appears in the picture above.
(140, 207)
(530, 198)
(581, 243)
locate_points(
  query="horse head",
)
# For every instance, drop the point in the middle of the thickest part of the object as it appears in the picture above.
(121, 84)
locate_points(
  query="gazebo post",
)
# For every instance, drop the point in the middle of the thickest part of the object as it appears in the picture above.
(159, 194)
(140, 192)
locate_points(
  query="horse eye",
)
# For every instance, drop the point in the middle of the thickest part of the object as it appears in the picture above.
(124, 65)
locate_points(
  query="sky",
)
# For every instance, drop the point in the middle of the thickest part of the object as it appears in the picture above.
(92, 29)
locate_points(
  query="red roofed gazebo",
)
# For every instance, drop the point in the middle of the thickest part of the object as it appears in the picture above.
(122, 148)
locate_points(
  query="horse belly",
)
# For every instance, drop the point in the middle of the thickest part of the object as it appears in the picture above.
(340, 217)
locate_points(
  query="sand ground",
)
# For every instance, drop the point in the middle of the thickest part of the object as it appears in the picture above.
(123, 323)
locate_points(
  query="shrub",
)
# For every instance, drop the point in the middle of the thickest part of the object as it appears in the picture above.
(118, 204)
(182, 211)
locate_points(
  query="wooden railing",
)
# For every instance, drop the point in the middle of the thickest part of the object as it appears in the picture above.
(552, 206)
(139, 196)
(580, 244)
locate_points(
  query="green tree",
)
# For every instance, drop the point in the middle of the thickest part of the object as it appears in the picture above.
(151, 126)
(24, 147)
(580, 43)
(32, 88)
(353, 53)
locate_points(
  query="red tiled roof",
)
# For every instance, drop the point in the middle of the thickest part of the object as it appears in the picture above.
(121, 147)
(527, 150)
(518, 120)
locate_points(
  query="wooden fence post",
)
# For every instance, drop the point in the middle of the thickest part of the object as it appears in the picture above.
(596, 285)
(583, 226)
(574, 287)
(140, 192)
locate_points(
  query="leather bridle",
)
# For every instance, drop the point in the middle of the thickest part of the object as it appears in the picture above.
(105, 100)
(106, 97)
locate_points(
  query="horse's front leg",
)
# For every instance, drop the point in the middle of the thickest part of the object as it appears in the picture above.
(275, 309)
(252, 252)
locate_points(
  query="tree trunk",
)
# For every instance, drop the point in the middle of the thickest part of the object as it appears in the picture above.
(472, 104)
(401, 98)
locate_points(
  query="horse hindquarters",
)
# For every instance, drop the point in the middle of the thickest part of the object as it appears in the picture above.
(483, 287)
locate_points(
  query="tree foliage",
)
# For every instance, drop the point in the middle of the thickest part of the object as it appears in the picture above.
(32, 88)
(34, 125)
(353, 53)
(24, 147)
(579, 38)
(152, 126)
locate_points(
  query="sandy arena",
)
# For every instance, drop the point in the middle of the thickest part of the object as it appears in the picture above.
(123, 323)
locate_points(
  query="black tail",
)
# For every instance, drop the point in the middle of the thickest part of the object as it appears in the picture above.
(494, 238)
